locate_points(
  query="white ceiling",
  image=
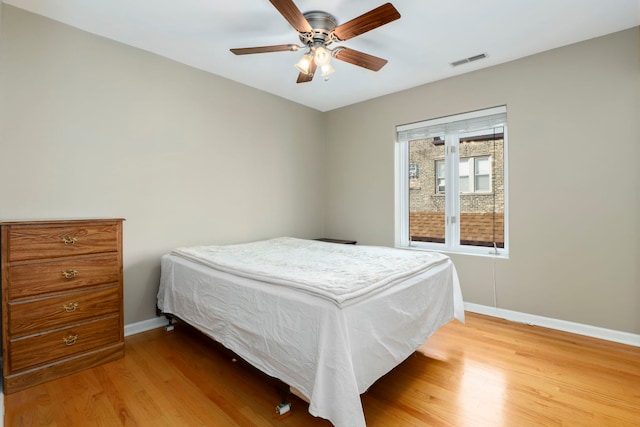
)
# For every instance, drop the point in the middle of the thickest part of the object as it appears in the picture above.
(419, 46)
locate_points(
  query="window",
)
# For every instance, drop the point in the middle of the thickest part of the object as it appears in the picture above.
(414, 176)
(440, 176)
(477, 167)
(460, 204)
(413, 170)
(475, 174)
(482, 173)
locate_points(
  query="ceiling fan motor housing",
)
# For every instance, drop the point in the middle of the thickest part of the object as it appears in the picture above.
(323, 25)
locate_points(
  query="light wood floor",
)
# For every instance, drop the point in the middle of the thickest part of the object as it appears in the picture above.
(488, 372)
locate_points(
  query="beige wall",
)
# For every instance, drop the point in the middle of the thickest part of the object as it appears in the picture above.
(574, 145)
(93, 128)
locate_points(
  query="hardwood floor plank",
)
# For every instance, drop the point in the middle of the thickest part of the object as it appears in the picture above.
(487, 372)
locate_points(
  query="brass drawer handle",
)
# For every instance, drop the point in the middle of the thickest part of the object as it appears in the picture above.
(69, 240)
(70, 340)
(70, 274)
(71, 307)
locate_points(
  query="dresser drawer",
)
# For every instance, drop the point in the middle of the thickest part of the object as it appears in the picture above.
(40, 349)
(52, 313)
(62, 275)
(27, 242)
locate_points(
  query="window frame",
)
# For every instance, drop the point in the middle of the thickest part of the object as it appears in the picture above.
(452, 204)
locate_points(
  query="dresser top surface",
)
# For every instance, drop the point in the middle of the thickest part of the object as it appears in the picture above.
(58, 221)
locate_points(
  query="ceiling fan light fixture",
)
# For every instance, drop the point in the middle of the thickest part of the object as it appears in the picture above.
(304, 63)
(327, 69)
(321, 56)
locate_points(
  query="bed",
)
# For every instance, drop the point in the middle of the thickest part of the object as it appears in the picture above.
(324, 318)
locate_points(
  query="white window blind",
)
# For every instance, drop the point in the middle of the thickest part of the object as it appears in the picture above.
(466, 122)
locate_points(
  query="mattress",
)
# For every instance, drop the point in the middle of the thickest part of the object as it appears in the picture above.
(330, 348)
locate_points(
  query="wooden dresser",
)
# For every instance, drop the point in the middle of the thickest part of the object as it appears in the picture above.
(61, 298)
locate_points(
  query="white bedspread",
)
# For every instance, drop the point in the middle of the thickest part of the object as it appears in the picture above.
(340, 273)
(330, 349)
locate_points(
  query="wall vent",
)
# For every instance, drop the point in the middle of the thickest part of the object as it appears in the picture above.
(469, 59)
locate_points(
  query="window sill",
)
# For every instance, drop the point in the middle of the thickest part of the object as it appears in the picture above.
(480, 251)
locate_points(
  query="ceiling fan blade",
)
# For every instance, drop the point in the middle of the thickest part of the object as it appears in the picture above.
(292, 14)
(367, 22)
(304, 78)
(360, 59)
(265, 49)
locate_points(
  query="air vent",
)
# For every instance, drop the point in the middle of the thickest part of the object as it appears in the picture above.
(469, 59)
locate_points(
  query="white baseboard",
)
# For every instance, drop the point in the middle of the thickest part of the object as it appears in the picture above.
(561, 325)
(145, 325)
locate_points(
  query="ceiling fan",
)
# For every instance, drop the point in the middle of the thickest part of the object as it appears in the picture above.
(317, 30)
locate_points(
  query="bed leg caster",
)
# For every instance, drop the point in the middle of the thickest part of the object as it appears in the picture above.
(283, 409)
(169, 327)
